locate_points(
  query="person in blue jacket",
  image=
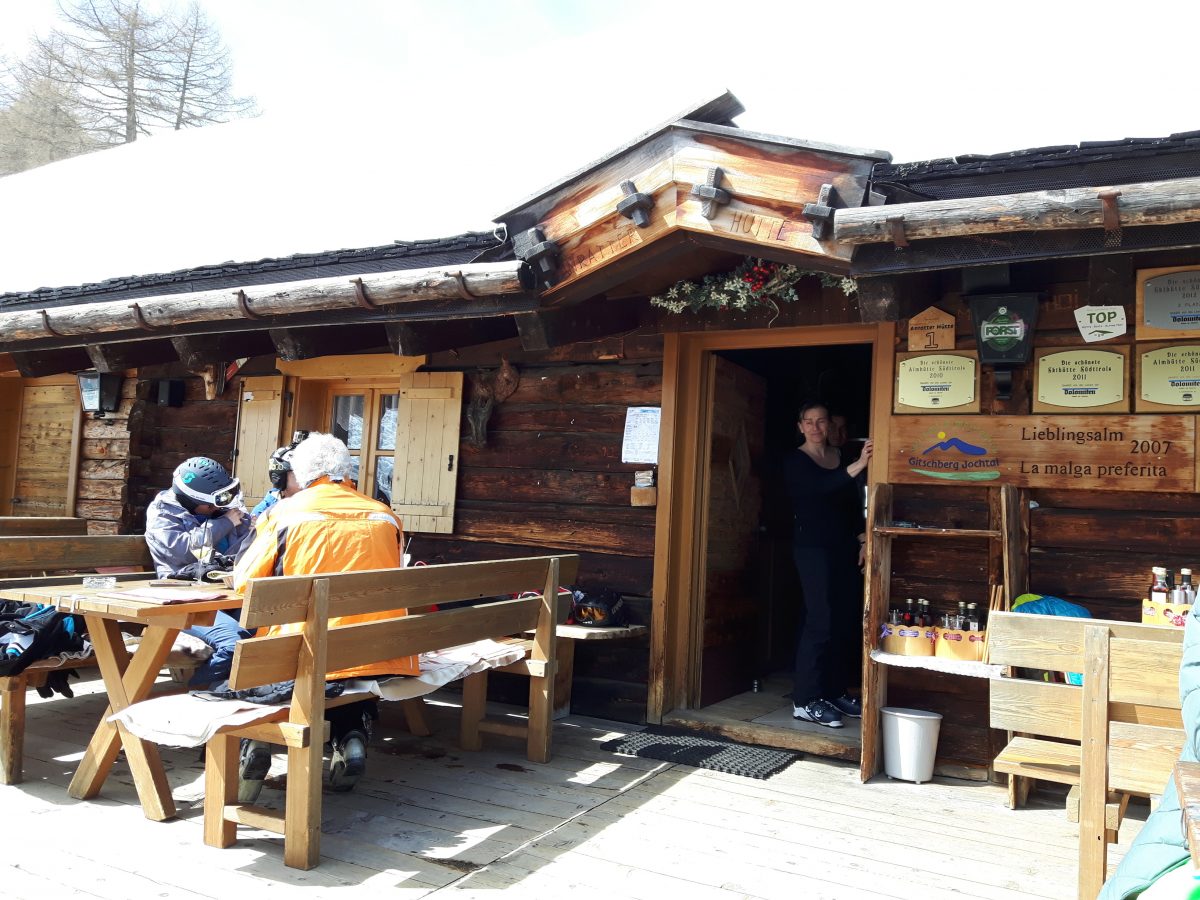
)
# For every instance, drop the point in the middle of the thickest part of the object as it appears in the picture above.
(202, 495)
(1160, 847)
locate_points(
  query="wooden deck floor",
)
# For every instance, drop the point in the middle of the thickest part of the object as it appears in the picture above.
(429, 820)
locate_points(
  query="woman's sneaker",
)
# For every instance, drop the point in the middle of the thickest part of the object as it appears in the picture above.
(820, 711)
(848, 706)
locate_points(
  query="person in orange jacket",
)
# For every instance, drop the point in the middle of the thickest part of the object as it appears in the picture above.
(327, 527)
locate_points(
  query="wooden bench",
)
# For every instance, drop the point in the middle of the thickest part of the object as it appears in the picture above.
(307, 656)
(32, 555)
(25, 555)
(1117, 735)
(41, 525)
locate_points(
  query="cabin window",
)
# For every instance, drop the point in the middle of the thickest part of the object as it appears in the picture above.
(401, 426)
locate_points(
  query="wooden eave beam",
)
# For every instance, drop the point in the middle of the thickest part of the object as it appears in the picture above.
(37, 363)
(293, 344)
(129, 355)
(466, 284)
(1171, 202)
(200, 350)
(423, 338)
(586, 322)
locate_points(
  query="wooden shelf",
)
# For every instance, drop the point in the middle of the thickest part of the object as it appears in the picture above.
(919, 531)
(937, 664)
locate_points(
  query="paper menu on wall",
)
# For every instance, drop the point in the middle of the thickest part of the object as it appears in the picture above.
(640, 444)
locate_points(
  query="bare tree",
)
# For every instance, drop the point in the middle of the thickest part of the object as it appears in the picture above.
(117, 70)
(39, 120)
(200, 78)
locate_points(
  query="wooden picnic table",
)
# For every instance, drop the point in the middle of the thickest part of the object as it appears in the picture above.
(127, 677)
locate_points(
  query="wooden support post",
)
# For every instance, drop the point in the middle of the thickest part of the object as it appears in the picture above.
(12, 728)
(474, 704)
(200, 350)
(130, 354)
(220, 789)
(1093, 769)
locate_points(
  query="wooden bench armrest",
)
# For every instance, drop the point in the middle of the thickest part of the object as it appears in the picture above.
(1187, 783)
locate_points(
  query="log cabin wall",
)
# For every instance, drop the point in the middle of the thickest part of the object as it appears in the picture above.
(1092, 547)
(551, 479)
(161, 437)
(104, 465)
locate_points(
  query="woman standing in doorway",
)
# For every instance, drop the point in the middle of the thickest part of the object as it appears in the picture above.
(828, 549)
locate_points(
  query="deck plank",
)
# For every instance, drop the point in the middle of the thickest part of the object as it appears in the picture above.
(429, 821)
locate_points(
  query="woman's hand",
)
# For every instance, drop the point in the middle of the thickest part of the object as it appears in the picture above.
(857, 467)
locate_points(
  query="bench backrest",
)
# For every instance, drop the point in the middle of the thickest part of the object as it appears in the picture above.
(29, 555)
(1143, 699)
(1126, 716)
(41, 525)
(312, 600)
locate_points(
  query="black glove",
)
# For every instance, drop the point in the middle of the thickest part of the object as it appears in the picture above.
(57, 682)
(199, 571)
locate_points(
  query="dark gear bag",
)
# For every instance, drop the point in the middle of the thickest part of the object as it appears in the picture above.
(603, 609)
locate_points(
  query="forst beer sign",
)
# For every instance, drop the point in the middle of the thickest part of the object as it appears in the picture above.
(1004, 325)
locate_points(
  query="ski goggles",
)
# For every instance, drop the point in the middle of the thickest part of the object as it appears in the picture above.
(226, 498)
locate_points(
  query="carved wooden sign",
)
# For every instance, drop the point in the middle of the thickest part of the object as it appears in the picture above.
(1114, 453)
(931, 329)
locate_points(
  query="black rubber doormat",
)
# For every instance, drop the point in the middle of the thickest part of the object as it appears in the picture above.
(704, 751)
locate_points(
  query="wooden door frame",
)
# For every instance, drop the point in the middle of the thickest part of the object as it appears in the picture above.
(676, 632)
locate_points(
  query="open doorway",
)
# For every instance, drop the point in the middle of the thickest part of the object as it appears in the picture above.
(753, 601)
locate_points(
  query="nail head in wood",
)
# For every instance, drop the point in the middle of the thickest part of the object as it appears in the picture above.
(710, 194)
(635, 205)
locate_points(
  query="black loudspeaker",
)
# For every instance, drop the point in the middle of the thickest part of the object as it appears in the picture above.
(170, 392)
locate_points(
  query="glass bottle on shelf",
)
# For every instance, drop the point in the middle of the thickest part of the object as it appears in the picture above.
(910, 614)
(1159, 591)
(925, 614)
(961, 623)
(1185, 582)
(973, 617)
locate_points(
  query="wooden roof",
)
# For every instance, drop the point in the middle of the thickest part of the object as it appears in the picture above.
(643, 206)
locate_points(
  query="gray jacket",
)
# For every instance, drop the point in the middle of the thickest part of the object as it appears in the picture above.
(168, 525)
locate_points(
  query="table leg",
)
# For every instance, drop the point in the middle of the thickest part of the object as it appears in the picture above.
(127, 681)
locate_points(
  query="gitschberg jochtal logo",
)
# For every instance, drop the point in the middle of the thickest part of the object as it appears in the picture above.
(954, 459)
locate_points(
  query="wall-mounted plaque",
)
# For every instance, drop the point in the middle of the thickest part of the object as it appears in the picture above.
(1169, 378)
(1168, 303)
(1104, 452)
(932, 382)
(1072, 379)
(931, 329)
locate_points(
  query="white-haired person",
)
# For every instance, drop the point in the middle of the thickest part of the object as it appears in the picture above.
(326, 527)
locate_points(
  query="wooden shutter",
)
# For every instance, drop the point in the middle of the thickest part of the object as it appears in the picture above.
(425, 478)
(259, 416)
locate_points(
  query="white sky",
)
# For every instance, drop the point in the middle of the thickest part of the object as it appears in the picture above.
(387, 119)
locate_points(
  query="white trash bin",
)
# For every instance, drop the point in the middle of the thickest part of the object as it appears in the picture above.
(910, 739)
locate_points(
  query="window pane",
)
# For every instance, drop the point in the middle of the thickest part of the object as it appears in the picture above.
(348, 420)
(383, 479)
(388, 404)
(354, 461)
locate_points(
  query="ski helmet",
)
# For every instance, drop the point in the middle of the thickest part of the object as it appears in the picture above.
(203, 480)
